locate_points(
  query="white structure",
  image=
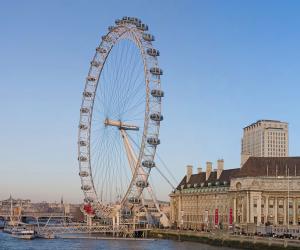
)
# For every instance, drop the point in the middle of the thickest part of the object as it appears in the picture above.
(125, 117)
(265, 138)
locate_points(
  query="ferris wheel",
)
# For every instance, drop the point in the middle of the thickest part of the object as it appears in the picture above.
(120, 118)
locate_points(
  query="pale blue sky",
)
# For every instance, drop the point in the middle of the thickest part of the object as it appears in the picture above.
(226, 64)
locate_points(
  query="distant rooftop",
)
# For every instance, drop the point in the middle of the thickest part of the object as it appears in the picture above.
(263, 121)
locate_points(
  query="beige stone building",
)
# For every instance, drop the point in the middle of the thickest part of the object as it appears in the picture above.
(265, 138)
(264, 190)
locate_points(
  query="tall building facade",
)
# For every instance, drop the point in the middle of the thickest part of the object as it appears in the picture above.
(265, 138)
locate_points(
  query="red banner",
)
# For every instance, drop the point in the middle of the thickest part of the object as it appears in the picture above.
(230, 216)
(216, 217)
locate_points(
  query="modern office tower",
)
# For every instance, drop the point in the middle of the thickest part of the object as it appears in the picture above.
(265, 138)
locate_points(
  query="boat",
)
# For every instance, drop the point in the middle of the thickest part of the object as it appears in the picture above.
(17, 228)
(8, 229)
(25, 234)
(20, 231)
(48, 235)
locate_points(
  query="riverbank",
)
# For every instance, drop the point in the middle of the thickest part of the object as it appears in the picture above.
(228, 240)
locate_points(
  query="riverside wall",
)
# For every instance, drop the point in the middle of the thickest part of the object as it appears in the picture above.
(227, 240)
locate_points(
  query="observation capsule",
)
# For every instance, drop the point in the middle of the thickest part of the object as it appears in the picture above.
(136, 21)
(148, 164)
(156, 117)
(118, 21)
(153, 52)
(157, 93)
(133, 20)
(126, 18)
(142, 26)
(110, 28)
(153, 141)
(86, 187)
(142, 184)
(91, 78)
(82, 158)
(134, 200)
(82, 143)
(88, 199)
(101, 50)
(83, 126)
(106, 38)
(87, 94)
(84, 110)
(83, 174)
(148, 37)
(156, 71)
(95, 64)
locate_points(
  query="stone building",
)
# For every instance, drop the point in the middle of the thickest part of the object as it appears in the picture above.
(5, 205)
(264, 190)
(14, 202)
(265, 138)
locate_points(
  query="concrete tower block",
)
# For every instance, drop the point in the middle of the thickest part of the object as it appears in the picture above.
(208, 169)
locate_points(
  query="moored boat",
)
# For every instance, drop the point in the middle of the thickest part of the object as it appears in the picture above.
(46, 235)
(24, 234)
(7, 230)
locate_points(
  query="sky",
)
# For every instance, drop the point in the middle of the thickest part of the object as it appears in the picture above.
(226, 64)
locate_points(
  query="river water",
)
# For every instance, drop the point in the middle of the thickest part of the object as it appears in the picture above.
(8, 242)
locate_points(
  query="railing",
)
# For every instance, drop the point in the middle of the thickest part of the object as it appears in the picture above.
(83, 228)
(35, 215)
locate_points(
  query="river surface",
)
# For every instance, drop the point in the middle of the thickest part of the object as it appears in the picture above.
(8, 242)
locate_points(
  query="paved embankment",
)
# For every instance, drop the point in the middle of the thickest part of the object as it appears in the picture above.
(228, 240)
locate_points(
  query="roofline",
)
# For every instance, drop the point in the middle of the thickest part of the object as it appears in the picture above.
(274, 157)
(215, 170)
(265, 120)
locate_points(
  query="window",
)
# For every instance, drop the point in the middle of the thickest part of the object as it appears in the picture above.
(255, 219)
(255, 204)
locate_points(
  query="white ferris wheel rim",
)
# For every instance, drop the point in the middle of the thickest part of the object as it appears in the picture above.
(123, 30)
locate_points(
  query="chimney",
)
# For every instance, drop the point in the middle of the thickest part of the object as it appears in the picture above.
(189, 172)
(199, 170)
(220, 168)
(208, 169)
